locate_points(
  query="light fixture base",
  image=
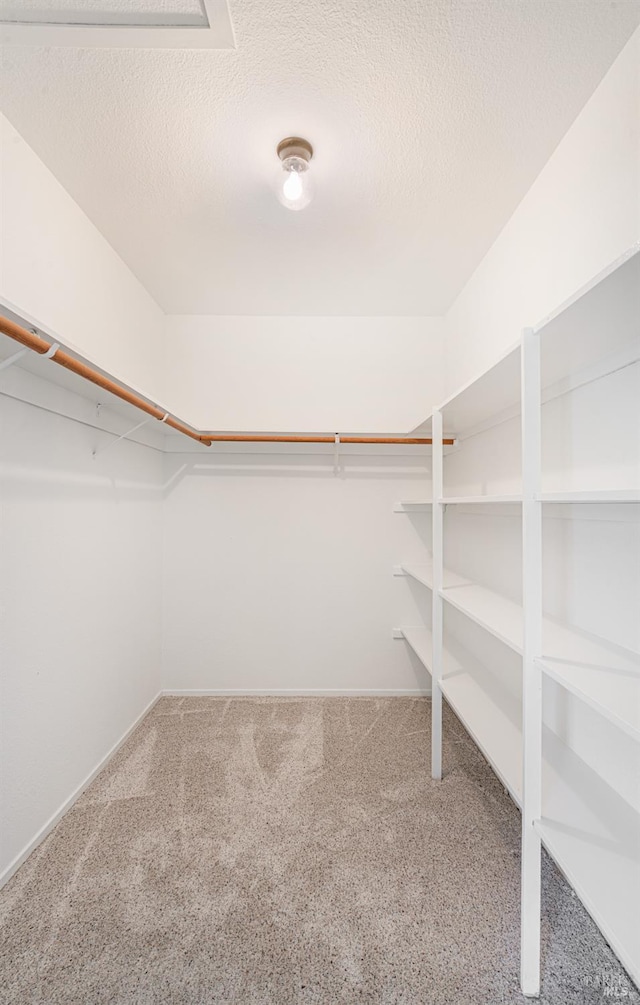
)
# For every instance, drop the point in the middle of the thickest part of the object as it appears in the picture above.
(294, 146)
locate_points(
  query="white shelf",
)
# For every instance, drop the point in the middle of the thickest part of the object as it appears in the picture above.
(598, 324)
(595, 496)
(571, 496)
(419, 639)
(594, 836)
(494, 391)
(488, 714)
(499, 616)
(595, 324)
(479, 500)
(481, 704)
(562, 644)
(422, 572)
(494, 733)
(614, 692)
(412, 506)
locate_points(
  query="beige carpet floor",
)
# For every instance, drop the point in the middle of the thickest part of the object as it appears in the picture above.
(279, 851)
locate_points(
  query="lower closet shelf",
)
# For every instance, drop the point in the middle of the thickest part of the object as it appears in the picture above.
(419, 639)
(592, 834)
(490, 720)
(497, 736)
(594, 837)
(589, 830)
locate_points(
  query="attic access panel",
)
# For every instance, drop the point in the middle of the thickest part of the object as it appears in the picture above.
(131, 24)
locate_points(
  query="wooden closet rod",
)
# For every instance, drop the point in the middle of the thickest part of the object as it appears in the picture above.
(33, 341)
(62, 358)
(242, 438)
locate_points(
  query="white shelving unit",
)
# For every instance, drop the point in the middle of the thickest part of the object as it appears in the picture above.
(591, 831)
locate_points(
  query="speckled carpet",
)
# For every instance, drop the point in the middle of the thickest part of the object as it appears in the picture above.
(280, 851)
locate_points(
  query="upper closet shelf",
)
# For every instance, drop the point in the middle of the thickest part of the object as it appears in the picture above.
(600, 321)
(492, 393)
(479, 500)
(570, 496)
(412, 506)
(598, 324)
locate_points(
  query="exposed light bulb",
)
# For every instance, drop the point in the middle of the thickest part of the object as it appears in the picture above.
(292, 188)
(294, 184)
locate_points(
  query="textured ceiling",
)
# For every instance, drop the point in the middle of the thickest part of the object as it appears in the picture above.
(430, 119)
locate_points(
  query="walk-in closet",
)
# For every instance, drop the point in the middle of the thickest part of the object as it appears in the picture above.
(319, 502)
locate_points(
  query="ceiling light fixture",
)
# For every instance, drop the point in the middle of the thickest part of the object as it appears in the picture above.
(294, 184)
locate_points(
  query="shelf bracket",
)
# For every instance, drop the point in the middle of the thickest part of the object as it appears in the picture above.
(124, 436)
(10, 360)
(336, 454)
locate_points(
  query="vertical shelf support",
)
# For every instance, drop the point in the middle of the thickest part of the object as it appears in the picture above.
(437, 549)
(531, 673)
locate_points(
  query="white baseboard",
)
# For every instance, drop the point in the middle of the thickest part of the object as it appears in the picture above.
(295, 692)
(13, 866)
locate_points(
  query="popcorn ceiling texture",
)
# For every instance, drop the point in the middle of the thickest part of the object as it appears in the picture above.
(284, 852)
(430, 119)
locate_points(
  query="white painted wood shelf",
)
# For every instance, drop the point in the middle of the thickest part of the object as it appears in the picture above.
(494, 392)
(499, 616)
(596, 328)
(592, 496)
(412, 506)
(594, 837)
(589, 831)
(488, 716)
(480, 500)
(480, 703)
(612, 691)
(422, 572)
(585, 664)
(420, 640)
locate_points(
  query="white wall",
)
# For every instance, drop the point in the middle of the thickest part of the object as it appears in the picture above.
(59, 272)
(80, 606)
(336, 374)
(582, 212)
(278, 573)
